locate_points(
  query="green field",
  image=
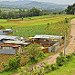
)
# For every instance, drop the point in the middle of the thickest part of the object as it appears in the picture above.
(48, 24)
(3, 20)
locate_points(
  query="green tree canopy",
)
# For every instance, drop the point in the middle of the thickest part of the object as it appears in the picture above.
(35, 12)
(32, 51)
(70, 9)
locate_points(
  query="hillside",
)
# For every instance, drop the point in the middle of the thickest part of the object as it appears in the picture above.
(68, 69)
(28, 4)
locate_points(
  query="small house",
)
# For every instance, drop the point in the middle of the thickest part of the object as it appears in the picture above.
(47, 40)
(6, 32)
(10, 49)
(11, 38)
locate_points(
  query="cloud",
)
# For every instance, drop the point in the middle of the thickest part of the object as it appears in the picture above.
(52, 1)
(58, 1)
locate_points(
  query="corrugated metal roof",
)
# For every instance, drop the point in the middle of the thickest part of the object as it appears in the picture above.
(10, 45)
(14, 42)
(9, 37)
(7, 51)
(2, 36)
(26, 43)
(48, 36)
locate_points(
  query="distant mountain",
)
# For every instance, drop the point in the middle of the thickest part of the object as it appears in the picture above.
(28, 4)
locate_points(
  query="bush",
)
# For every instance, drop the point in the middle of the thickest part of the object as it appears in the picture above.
(73, 53)
(61, 60)
(12, 63)
(47, 68)
(18, 59)
(66, 20)
(69, 56)
(54, 66)
(5, 66)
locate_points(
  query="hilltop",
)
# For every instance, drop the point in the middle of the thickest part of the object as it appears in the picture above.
(28, 4)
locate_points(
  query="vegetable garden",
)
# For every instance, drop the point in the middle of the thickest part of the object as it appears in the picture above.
(29, 28)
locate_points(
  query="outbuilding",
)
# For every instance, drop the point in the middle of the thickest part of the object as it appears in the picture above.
(10, 49)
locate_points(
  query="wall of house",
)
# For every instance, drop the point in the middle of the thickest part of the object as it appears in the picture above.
(55, 47)
(7, 51)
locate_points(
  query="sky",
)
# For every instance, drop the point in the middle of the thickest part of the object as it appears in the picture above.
(52, 1)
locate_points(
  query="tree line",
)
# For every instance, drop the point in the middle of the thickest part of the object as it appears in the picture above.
(22, 13)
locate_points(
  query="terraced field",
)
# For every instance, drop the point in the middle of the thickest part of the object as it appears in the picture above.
(51, 25)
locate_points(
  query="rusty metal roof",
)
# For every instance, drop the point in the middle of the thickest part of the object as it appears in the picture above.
(10, 45)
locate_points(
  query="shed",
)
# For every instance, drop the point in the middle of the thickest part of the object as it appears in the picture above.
(6, 31)
(11, 47)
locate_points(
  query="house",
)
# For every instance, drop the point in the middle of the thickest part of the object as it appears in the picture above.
(46, 40)
(6, 32)
(10, 49)
(5, 38)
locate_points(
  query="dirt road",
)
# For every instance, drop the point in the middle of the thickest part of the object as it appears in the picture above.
(69, 49)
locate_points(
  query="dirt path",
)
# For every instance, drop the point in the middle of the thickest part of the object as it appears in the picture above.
(69, 49)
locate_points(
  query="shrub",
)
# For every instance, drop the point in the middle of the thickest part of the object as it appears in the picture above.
(18, 59)
(47, 68)
(73, 53)
(69, 56)
(61, 60)
(66, 20)
(5, 66)
(54, 66)
(12, 63)
(39, 72)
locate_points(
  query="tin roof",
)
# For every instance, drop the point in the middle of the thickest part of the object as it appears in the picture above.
(47, 36)
(26, 43)
(2, 36)
(10, 37)
(14, 42)
(10, 45)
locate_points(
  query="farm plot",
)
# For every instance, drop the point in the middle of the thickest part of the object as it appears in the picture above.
(48, 26)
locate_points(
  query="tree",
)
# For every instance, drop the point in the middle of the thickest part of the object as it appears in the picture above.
(35, 12)
(54, 13)
(13, 63)
(4, 15)
(32, 51)
(70, 9)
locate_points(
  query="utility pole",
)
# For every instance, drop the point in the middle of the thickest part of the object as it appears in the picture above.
(65, 44)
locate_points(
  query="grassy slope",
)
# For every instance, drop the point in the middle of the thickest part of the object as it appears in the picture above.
(68, 69)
